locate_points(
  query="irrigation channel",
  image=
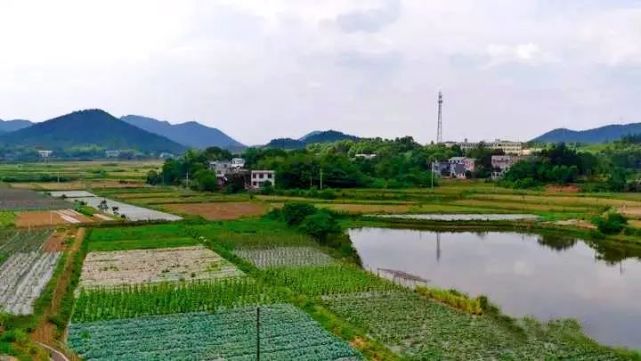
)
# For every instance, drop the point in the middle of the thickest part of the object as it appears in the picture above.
(548, 277)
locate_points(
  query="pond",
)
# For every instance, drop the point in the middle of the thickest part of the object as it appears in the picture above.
(547, 277)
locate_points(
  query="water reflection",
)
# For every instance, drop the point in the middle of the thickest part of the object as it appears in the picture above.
(547, 276)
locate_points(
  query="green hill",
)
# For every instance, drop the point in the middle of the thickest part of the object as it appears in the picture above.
(89, 128)
(327, 136)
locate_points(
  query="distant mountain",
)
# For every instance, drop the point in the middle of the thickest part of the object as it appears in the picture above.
(7, 126)
(89, 127)
(190, 134)
(317, 136)
(603, 134)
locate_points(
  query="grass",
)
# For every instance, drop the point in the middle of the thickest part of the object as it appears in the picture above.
(142, 237)
(7, 219)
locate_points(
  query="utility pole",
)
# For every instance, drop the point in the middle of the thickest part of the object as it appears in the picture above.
(321, 178)
(439, 130)
(187, 179)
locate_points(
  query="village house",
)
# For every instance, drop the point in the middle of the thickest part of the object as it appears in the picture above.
(460, 166)
(260, 177)
(502, 163)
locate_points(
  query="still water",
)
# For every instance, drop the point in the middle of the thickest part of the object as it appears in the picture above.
(526, 274)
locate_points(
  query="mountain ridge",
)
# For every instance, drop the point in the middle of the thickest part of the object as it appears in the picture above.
(190, 133)
(71, 130)
(606, 133)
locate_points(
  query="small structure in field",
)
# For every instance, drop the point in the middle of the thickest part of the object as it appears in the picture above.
(260, 178)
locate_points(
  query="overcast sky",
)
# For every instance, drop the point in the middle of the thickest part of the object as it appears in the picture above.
(259, 69)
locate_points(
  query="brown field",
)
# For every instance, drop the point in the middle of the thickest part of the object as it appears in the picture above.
(219, 210)
(56, 242)
(50, 218)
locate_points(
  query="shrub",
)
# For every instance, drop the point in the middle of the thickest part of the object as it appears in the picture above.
(611, 223)
(295, 213)
(320, 225)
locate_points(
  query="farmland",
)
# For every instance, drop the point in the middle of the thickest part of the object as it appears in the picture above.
(25, 268)
(189, 289)
(132, 267)
(228, 335)
(23, 200)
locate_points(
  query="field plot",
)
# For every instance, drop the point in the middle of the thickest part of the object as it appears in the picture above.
(50, 218)
(116, 208)
(219, 210)
(26, 265)
(286, 334)
(141, 237)
(23, 200)
(284, 256)
(119, 268)
(423, 330)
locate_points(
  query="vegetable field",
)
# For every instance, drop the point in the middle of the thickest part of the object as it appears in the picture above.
(423, 330)
(25, 269)
(117, 268)
(284, 256)
(286, 333)
(25, 200)
(166, 298)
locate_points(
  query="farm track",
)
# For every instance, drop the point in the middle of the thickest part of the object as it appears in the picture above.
(45, 332)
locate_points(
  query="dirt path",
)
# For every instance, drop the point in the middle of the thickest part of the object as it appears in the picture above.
(45, 333)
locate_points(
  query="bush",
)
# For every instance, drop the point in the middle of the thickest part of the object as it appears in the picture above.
(612, 223)
(320, 225)
(295, 213)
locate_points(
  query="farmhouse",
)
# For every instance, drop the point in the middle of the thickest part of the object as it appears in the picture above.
(460, 166)
(112, 153)
(259, 178)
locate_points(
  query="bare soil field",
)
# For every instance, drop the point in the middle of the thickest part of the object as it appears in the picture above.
(51, 218)
(219, 210)
(120, 268)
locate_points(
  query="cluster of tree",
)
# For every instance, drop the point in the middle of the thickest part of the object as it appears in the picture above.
(557, 164)
(376, 163)
(192, 170)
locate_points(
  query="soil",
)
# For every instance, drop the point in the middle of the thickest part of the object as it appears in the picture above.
(56, 242)
(45, 332)
(49, 218)
(219, 210)
(572, 188)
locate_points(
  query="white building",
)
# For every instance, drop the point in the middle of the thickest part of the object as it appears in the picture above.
(238, 163)
(507, 146)
(45, 153)
(502, 163)
(260, 177)
(112, 153)
(220, 167)
(368, 156)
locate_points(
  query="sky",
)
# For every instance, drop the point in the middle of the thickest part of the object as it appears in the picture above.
(260, 69)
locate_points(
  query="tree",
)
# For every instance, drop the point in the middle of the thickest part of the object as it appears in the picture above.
(320, 225)
(295, 213)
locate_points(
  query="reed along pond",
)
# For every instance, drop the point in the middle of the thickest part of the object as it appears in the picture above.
(544, 276)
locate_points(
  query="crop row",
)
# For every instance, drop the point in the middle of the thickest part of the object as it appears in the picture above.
(23, 200)
(420, 329)
(284, 256)
(286, 333)
(166, 298)
(328, 280)
(23, 276)
(13, 241)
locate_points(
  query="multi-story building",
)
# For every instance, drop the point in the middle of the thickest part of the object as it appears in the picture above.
(260, 177)
(507, 146)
